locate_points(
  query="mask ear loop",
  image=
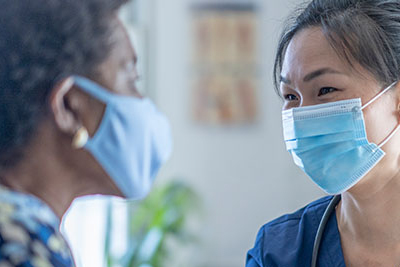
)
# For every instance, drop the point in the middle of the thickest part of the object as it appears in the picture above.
(387, 139)
(379, 95)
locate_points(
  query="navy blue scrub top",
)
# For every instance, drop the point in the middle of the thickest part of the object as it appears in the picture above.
(288, 241)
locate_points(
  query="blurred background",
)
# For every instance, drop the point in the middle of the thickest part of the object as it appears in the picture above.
(208, 66)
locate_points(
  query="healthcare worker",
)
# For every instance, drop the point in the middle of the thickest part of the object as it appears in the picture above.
(338, 69)
(71, 121)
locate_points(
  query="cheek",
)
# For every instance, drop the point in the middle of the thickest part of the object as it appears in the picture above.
(123, 82)
(380, 120)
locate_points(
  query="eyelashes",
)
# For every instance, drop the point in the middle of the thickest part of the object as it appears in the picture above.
(326, 90)
(290, 97)
(323, 91)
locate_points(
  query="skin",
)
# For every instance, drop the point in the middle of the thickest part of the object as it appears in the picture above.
(368, 215)
(74, 172)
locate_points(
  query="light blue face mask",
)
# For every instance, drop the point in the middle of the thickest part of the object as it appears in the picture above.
(329, 142)
(132, 141)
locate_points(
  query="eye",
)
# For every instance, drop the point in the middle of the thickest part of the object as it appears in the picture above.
(131, 66)
(326, 90)
(290, 97)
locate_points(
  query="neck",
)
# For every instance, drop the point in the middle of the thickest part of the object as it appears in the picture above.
(45, 173)
(372, 220)
(42, 181)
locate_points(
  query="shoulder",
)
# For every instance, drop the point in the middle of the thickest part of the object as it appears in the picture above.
(292, 220)
(288, 240)
(29, 235)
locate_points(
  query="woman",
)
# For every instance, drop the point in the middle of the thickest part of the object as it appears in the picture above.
(337, 69)
(62, 133)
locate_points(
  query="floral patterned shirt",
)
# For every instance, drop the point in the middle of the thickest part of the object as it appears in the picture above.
(29, 233)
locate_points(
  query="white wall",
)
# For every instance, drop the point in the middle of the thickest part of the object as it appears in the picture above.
(244, 175)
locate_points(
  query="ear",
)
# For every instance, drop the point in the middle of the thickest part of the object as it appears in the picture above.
(397, 96)
(64, 116)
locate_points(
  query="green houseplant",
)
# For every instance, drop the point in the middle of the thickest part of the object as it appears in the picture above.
(159, 217)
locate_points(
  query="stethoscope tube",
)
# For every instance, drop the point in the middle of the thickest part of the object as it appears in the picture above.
(321, 228)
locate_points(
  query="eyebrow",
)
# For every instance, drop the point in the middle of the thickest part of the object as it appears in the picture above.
(313, 75)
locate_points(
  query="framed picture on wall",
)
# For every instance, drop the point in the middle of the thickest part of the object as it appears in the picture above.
(224, 79)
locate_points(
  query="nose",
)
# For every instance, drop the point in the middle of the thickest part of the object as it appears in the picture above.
(306, 102)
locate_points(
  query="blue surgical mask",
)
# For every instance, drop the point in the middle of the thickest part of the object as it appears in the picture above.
(132, 141)
(329, 143)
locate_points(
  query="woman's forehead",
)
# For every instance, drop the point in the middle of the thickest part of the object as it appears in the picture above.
(310, 50)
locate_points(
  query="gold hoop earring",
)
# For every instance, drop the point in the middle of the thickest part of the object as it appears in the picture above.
(80, 139)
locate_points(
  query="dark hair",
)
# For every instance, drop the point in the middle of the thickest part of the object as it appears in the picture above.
(366, 32)
(42, 41)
